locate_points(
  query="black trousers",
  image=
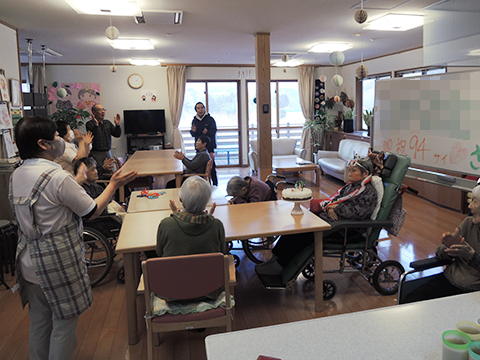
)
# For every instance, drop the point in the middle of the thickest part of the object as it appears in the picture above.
(214, 174)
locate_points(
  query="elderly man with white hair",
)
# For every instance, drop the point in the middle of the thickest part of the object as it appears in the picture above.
(192, 230)
(463, 247)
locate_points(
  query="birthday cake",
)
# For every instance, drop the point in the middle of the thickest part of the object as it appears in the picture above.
(297, 193)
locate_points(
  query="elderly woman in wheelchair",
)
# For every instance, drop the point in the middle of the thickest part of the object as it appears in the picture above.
(461, 249)
(99, 235)
(354, 201)
(247, 190)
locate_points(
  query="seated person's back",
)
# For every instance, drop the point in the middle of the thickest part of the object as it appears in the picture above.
(248, 189)
(191, 231)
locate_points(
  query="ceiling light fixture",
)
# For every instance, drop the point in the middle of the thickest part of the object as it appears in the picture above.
(106, 7)
(132, 44)
(330, 47)
(395, 22)
(144, 62)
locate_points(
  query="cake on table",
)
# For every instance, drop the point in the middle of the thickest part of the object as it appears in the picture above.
(299, 192)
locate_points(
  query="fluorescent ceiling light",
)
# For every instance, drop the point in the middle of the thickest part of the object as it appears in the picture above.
(289, 63)
(395, 22)
(141, 62)
(106, 7)
(132, 44)
(475, 52)
(330, 47)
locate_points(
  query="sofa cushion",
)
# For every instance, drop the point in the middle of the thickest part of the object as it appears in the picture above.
(279, 146)
(283, 146)
(332, 165)
(347, 148)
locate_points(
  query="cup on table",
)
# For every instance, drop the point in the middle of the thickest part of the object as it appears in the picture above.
(470, 328)
(474, 350)
(455, 345)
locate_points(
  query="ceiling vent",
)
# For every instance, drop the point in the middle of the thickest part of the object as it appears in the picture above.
(174, 17)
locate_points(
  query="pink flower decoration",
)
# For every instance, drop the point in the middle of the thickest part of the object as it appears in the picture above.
(76, 86)
(51, 93)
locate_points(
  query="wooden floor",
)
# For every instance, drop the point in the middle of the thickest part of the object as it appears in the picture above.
(102, 330)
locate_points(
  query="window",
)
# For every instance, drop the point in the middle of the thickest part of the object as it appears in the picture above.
(368, 93)
(221, 101)
(286, 113)
(421, 72)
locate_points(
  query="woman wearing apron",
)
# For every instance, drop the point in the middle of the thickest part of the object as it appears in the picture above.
(48, 205)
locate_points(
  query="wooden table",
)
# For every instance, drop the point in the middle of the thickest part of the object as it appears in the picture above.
(282, 165)
(410, 331)
(155, 162)
(242, 221)
(140, 204)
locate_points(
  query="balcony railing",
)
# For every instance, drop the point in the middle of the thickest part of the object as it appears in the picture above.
(227, 152)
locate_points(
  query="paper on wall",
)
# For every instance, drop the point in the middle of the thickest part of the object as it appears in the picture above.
(5, 120)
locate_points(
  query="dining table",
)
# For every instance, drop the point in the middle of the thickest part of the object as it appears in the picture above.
(241, 222)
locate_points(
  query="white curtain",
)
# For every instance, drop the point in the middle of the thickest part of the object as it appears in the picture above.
(306, 88)
(37, 79)
(176, 79)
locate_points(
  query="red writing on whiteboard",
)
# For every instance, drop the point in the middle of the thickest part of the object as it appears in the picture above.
(401, 144)
(418, 146)
(458, 154)
(439, 157)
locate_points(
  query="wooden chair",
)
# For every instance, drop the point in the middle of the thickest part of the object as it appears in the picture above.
(186, 277)
(207, 175)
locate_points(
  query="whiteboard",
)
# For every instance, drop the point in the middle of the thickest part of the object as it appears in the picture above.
(435, 120)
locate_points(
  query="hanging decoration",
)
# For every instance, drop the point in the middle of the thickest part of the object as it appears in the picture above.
(337, 80)
(361, 72)
(337, 58)
(361, 15)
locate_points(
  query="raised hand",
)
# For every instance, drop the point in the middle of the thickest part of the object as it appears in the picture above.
(449, 239)
(173, 207)
(108, 164)
(77, 135)
(178, 155)
(117, 119)
(88, 137)
(212, 209)
(118, 179)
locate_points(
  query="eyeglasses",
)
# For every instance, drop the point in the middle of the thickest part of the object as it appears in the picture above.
(354, 162)
(100, 110)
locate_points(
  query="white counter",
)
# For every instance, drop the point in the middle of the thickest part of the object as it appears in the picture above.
(404, 332)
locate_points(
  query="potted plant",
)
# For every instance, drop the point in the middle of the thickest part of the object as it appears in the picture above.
(74, 117)
(318, 126)
(367, 119)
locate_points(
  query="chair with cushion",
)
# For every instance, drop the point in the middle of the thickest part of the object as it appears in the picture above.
(207, 175)
(334, 163)
(185, 278)
(281, 148)
(357, 252)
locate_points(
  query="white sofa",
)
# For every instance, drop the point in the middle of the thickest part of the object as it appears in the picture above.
(284, 148)
(334, 163)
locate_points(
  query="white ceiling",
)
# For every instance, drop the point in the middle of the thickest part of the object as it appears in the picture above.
(213, 31)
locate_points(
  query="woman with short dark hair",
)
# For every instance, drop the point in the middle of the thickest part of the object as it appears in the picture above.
(49, 205)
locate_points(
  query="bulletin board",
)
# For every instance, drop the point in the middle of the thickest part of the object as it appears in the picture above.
(435, 120)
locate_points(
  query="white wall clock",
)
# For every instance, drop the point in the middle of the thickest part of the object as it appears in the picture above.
(135, 81)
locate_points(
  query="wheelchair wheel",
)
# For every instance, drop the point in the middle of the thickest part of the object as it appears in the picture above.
(236, 260)
(259, 250)
(309, 270)
(98, 255)
(386, 277)
(329, 289)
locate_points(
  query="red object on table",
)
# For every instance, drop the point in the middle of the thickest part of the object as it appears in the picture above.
(263, 357)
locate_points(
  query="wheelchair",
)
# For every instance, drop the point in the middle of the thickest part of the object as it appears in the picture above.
(406, 287)
(100, 238)
(357, 252)
(258, 250)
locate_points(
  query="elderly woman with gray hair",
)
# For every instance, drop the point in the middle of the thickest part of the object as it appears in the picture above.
(247, 190)
(191, 230)
(354, 201)
(462, 247)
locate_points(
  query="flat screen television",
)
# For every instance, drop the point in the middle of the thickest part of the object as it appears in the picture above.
(144, 122)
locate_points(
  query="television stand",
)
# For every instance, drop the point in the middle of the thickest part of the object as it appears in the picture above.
(145, 142)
